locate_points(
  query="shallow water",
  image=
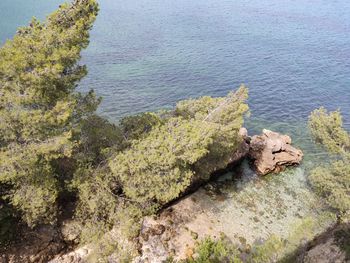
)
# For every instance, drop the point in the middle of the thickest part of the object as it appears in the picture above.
(253, 207)
(294, 55)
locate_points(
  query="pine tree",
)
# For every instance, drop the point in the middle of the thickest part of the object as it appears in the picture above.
(199, 139)
(40, 111)
(332, 181)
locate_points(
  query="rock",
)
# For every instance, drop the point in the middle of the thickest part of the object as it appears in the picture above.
(272, 152)
(329, 247)
(70, 231)
(185, 223)
(327, 252)
(38, 245)
(240, 153)
(189, 253)
(243, 132)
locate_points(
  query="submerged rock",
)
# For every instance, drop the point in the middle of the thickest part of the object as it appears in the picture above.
(272, 152)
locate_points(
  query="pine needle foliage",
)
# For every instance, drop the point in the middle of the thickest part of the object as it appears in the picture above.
(40, 111)
(198, 140)
(327, 129)
(160, 158)
(332, 181)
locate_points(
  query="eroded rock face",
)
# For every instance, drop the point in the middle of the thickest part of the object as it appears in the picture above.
(328, 247)
(272, 152)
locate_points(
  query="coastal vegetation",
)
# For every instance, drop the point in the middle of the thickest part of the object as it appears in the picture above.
(332, 181)
(60, 160)
(41, 114)
(54, 146)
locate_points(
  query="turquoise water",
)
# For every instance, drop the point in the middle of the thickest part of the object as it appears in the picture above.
(145, 55)
(294, 55)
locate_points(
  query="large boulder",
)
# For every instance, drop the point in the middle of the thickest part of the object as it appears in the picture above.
(272, 152)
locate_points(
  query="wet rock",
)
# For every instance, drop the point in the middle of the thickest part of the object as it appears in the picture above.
(272, 152)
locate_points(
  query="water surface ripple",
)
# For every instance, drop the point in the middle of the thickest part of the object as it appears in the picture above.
(145, 55)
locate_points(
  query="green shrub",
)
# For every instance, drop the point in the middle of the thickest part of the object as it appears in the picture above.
(215, 251)
(162, 165)
(109, 247)
(158, 159)
(158, 167)
(327, 129)
(269, 251)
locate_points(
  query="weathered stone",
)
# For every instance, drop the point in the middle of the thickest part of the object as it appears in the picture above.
(70, 231)
(272, 152)
(328, 247)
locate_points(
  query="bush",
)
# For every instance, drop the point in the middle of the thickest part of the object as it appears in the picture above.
(211, 251)
(157, 160)
(326, 128)
(185, 148)
(97, 205)
(158, 167)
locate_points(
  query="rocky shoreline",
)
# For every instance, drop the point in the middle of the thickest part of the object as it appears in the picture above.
(175, 230)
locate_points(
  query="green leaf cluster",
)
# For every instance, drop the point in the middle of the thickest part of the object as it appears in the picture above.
(135, 127)
(101, 202)
(327, 129)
